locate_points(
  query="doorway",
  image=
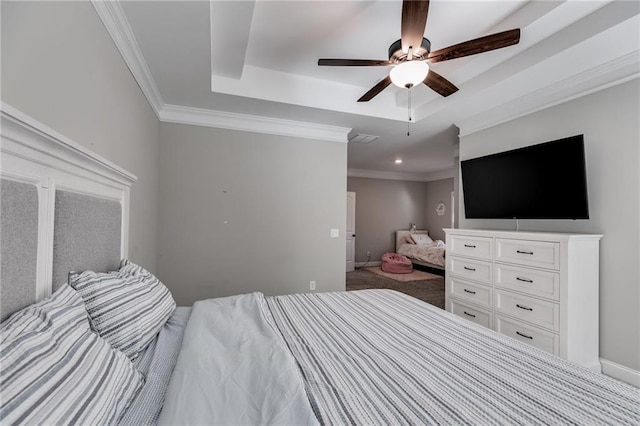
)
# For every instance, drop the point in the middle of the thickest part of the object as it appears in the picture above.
(351, 231)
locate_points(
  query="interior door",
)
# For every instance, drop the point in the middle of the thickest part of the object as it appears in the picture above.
(351, 230)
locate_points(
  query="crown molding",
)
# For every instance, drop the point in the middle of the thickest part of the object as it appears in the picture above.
(613, 73)
(413, 177)
(252, 123)
(115, 21)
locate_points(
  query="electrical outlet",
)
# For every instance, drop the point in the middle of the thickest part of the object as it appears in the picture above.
(312, 285)
(368, 254)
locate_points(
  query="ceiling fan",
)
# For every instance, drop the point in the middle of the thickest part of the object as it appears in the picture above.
(410, 54)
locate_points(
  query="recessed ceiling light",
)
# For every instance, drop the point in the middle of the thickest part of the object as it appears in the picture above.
(399, 161)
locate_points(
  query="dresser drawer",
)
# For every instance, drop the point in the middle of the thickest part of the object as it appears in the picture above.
(477, 315)
(468, 268)
(541, 339)
(478, 247)
(543, 254)
(475, 293)
(526, 280)
(538, 312)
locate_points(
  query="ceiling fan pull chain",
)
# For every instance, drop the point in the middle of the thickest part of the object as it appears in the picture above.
(409, 109)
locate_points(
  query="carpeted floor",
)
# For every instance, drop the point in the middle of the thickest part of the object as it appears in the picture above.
(414, 275)
(431, 291)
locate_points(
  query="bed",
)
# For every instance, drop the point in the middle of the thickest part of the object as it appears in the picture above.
(377, 357)
(361, 357)
(425, 251)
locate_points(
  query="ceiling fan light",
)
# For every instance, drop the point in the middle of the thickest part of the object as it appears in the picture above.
(409, 74)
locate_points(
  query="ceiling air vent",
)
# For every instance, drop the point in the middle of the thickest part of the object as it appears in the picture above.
(360, 138)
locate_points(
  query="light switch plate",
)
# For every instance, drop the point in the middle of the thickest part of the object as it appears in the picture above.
(335, 233)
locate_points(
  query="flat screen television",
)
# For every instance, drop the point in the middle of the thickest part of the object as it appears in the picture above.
(543, 181)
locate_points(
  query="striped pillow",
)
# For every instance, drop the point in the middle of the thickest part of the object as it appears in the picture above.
(55, 370)
(127, 267)
(126, 307)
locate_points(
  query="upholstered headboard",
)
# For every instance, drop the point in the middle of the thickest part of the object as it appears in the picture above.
(62, 208)
(400, 235)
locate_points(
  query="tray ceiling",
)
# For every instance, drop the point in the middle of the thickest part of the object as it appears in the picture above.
(260, 58)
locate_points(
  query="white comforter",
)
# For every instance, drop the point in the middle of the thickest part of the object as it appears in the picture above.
(234, 368)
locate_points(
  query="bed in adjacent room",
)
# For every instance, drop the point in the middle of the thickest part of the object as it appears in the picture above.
(421, 249)
(94, 338)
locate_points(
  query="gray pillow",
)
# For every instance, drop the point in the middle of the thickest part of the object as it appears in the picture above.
(127, 307)
(55, 370)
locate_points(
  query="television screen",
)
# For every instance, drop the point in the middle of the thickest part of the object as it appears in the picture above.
(544, 181)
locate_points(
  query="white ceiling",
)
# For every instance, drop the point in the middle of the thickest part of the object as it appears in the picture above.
(260, 58)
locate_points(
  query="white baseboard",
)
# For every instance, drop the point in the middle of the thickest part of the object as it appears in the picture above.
(361, 264)
(621, 372)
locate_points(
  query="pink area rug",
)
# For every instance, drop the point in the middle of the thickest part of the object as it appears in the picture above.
(416, 275)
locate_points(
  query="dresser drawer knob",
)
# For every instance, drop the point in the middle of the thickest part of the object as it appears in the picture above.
(470, 269)
(470, 245)
(526, 280)
(469, 291)
(467, 313)
(526, 308)
(524, 252)
(524, 335)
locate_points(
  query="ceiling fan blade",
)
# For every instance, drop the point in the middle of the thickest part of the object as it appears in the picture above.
(439, 84)
(478, 45)
(414, 21)
(382, 84)
(353, 62)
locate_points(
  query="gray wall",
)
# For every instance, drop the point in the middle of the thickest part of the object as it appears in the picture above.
(60, 66)
(609, 121)
(243, 212)
(384, 206)
(437, 191)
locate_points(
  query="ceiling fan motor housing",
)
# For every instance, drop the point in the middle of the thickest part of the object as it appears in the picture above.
(397, 56)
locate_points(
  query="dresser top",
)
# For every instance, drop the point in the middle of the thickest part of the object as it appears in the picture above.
(524, 235)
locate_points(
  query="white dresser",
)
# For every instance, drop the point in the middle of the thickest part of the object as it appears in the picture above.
(540, 288)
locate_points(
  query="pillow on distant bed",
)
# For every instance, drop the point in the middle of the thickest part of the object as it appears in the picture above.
(55, 370)
(422, 238)
(127, 307)
(407, 240)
